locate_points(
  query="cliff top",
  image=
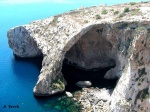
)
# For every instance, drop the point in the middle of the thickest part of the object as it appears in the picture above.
(121, 12)
(68, 24)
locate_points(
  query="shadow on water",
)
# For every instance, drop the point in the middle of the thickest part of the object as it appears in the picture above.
(36, 61)
(27, 69)
(73, 75)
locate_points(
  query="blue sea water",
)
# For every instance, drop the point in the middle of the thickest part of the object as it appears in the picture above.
(18, 77)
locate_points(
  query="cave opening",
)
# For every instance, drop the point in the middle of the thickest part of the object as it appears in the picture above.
(73, 74)
(88, 60)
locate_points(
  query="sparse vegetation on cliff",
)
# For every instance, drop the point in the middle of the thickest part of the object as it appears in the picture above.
(116, 12)
(97, 16)
(122, 15)
(58, 85)
(126, 10)
(140, 30)
(141, 72)
(54, 22)
(104, 11)
(143, 94)
(132, 3)
(111, 9)
(135, 12)
(86, 21)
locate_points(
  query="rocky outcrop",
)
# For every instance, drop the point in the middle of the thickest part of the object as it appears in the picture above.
(22, 43)
(92, 39)
(93, 99)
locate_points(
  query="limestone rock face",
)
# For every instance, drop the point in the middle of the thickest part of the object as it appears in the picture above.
(132, 90)
(93, 99)
(83, 39)
(22, 43)
(92, 51)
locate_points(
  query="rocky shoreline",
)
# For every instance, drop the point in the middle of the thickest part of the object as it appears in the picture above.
(94, 99)
(90, 99)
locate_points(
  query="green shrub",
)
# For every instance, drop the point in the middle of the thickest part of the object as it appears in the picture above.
(54, 21)
(104, 11)
(111, 9)
(86, 21)
(126, 10)
(116, 12)
(97, 16)
(142, 72)
(121, 15)
(135, 12)
(130, 99)
(139, 84)
(143, 94)
(132, 3)
(141, 30)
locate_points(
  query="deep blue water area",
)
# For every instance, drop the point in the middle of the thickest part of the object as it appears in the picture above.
(18, 76)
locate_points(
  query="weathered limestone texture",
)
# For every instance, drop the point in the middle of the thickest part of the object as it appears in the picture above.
(92, 39)
(88, 52)
(93, 99)
(22, 44)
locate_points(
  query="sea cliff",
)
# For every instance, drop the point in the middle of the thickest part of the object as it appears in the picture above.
(92, 38)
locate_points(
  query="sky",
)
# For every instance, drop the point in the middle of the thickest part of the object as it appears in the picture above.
(9, 2)
(14, 2)
(33, 1)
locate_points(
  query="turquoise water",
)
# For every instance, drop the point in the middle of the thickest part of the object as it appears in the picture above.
(18, 76)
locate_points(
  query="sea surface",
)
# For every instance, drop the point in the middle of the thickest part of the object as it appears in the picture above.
(18, 76)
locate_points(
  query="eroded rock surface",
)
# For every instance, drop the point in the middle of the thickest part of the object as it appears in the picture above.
(100, 40)
(93, 50)
(93, 99)
(22, 43)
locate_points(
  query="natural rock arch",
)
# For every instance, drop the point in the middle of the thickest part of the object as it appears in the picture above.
(130, 44)
(51, 80)
(124, 38)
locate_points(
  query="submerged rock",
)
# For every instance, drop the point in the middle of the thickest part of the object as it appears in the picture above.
(83, 84)
(69, 94)
(63, 104)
